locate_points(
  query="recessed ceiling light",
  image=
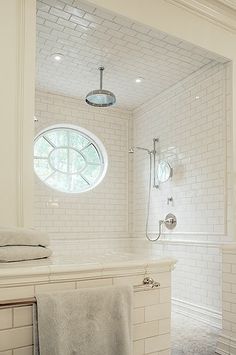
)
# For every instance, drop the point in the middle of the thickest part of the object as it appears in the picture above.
(139, 80)
(57, 57)
(197, 97)
(35, 119)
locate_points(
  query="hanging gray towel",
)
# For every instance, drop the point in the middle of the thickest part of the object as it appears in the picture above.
(93, 321)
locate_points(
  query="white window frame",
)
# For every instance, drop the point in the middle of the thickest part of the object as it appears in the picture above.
(93, 139)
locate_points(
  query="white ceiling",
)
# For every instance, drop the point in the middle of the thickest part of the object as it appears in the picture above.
(89, 37)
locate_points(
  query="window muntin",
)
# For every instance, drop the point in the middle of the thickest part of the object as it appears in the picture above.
(69, 159)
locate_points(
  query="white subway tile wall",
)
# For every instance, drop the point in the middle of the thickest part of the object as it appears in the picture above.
(103, 211)
(227, 341)
(88, 36)
(190, 121)
(151, 316)
(193, 122)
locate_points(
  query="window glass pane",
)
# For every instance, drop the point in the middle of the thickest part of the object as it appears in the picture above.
(68, 160)
(58, 137)
(42, 148)
(92, 172)
(42, 168)
(77, 141)
(59, 181)
(78, 184)
(91, 154)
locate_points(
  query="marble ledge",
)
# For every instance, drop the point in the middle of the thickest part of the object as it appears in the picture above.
(59, 268)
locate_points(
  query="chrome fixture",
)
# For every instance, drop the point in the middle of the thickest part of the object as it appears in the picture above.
(100, 97)
(150, 281)
(132, 149)
(155, 183)
(165, 172)
(170, 222)
(151, 153)
(170, 199)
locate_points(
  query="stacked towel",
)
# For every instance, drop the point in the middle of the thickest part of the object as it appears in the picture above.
(18, 244)
(92, 321)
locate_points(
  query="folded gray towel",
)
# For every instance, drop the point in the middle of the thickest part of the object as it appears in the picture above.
(95, 321)
(22, 236)
(21, 252)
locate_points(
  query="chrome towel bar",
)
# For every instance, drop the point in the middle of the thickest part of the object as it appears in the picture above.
(18, 303)
(147, 285)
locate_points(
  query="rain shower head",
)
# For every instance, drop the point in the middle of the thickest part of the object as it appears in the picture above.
(100, 97)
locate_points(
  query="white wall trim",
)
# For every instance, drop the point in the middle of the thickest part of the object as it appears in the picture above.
(222, 14)
(203, 314)
(20, 108)
(226, 345)
(25, 65)
(194, 242)
(209, 240)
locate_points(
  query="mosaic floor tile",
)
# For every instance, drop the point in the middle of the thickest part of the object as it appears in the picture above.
(191, 337)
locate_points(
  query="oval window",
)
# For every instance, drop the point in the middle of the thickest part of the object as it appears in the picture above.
(69, 158)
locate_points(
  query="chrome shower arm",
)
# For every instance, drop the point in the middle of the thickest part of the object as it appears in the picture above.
(131, 150)
(145, 149)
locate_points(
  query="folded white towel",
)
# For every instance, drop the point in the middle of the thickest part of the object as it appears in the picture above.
(22, 236)
(20, 253)
(95, 321)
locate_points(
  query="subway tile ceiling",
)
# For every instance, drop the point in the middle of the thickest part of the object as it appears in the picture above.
(89, 37)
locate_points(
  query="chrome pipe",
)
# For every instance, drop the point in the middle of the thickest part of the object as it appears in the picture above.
(18, 303)
(155, 141)
(132, 149)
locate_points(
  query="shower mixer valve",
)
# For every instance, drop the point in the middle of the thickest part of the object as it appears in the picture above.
(170, 221)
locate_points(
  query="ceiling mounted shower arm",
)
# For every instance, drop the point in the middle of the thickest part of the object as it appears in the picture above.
(101, 76)
(155, 182)
(100, 97)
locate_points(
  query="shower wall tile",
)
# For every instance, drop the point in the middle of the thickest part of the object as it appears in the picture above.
(190, 121)
(84, 33)
(151, 313)
(227, 340)
(103, 211)
(193, 121)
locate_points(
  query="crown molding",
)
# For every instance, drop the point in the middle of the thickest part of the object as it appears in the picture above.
(220, 12)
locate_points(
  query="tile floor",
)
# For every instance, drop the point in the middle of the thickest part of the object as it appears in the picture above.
(191, 337)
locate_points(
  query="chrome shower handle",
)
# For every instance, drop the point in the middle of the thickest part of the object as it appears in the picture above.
(170, 222)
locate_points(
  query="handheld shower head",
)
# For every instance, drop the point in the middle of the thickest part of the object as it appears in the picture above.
(132, 150)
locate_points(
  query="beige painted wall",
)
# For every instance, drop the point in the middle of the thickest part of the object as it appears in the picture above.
(17, 38)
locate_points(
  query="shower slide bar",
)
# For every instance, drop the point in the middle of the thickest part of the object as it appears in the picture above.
(147, 285)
